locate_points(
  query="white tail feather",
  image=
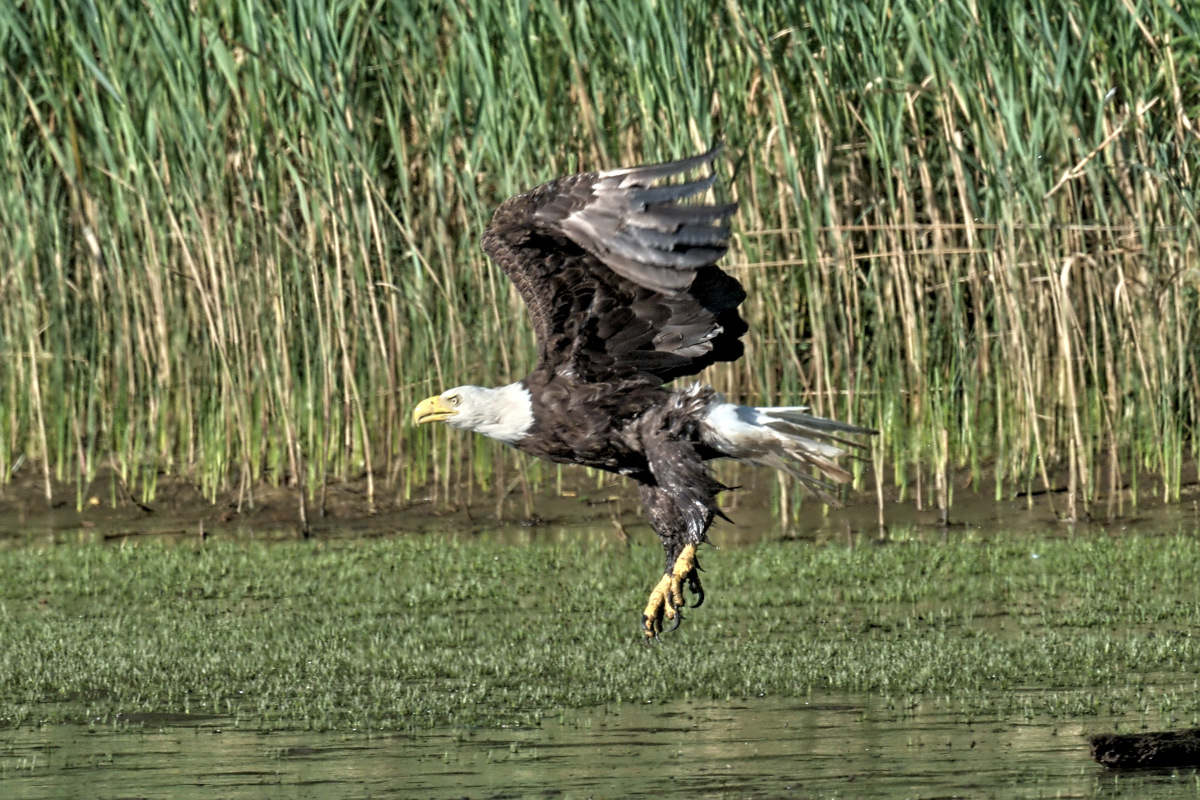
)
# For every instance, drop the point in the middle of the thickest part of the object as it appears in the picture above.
(785, 438)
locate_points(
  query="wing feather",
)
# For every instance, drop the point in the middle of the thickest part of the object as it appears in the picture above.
(619, 272)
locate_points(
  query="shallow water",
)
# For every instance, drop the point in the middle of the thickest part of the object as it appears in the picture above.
(829, 746)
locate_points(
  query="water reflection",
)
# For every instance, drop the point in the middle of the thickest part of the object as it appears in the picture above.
(835, 745)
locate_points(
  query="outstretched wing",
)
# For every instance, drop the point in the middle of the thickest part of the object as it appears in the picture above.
(619, 274)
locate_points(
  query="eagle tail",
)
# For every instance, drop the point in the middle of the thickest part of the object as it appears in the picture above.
(785, 438)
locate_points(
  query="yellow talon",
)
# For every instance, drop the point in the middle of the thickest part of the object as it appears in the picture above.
(667, 597)
(658, 599)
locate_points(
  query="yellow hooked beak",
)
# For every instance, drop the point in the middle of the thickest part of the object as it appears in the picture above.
(432, 409)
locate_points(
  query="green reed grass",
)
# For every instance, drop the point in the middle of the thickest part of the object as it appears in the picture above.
(240, 243)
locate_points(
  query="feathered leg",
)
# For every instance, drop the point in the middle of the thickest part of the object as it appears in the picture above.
(679, 543)
(680, 500)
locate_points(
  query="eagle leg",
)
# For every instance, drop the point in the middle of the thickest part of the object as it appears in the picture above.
(666, 599)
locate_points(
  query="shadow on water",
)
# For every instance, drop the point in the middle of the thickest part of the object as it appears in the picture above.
(833, 745)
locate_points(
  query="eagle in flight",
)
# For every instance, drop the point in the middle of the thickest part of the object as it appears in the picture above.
(619, 275)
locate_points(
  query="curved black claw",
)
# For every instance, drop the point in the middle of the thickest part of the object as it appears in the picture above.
(695, 588)
(678, 619)
(648, 634)
(693, 582)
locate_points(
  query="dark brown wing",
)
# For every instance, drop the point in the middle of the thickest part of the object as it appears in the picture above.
(619, 275)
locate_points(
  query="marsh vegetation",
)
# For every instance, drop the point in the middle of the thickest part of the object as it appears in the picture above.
(240, 243)
(404, 634)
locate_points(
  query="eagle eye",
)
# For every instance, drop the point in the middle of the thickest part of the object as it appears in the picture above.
(453, 399)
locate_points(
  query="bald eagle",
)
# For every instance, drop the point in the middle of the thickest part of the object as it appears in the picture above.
(620, 279)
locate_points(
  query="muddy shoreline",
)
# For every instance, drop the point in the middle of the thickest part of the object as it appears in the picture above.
(607, 505)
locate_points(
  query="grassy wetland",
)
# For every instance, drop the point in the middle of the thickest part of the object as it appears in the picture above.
(411, 634)
(239, 244)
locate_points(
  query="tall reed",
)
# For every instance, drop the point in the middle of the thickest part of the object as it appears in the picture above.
(241, 243)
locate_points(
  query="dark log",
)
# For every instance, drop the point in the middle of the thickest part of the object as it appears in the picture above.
(1160, 750)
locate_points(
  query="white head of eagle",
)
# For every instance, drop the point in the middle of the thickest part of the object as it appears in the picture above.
(504, 413)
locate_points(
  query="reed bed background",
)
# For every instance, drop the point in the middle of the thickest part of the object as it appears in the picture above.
(239, 244)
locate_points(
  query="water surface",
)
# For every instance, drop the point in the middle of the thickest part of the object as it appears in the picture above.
(828, 746)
